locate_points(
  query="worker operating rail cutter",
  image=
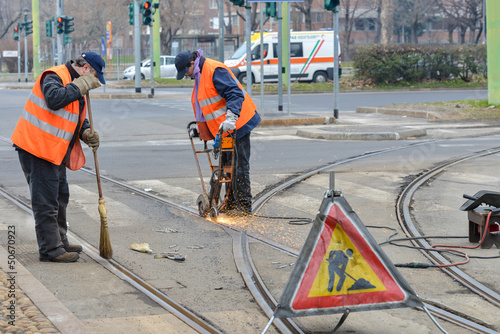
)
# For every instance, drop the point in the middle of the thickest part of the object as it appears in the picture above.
(215, 200)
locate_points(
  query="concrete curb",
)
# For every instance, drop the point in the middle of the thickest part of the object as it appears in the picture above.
(63, 319)
(328, 135)
(137, 96)
(403, 112)
(297, 121)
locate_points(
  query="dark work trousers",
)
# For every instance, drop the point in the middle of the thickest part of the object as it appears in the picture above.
(242, 197)
(49, 199)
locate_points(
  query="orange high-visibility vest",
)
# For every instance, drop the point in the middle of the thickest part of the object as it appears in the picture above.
(213, 106)
(47, 133)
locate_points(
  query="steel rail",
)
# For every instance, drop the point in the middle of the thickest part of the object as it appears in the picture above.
(250, 274)
(407, 224)
(189, 318)
(403, 213)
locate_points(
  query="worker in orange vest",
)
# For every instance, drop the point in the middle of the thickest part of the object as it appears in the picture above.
(220, 102)
(47, 139)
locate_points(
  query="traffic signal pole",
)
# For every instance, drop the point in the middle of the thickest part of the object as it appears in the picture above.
(221, 30)
(285, 11)
(36, 38)
(25, 50)
(137, 46)
(53, 38)
(152, 62)
(60, 37)
(18, 58)
(248, 33)
(336, 63)
(280, 58)
(261, 59)
(156, 38)
(493, 48)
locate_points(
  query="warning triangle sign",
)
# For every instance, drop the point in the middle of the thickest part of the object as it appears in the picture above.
(341, 268)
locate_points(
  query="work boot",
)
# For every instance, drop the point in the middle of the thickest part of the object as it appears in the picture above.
(73, 248)
(65, 257)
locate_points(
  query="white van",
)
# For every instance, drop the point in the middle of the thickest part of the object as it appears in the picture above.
(311, 57)
(167, 69)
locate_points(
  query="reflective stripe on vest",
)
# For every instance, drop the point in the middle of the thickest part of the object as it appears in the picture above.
(47, 133)
(46, 126)
(213, 105)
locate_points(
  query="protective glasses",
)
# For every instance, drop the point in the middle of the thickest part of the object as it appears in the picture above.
(187, 69)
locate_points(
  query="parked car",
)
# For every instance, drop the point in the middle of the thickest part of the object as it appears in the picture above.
(167, 69)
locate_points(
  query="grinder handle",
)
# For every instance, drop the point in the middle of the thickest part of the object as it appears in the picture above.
(472, 198)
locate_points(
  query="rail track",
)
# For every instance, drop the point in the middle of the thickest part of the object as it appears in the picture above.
(243, 258)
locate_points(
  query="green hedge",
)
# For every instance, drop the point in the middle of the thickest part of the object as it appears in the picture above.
(417, 63)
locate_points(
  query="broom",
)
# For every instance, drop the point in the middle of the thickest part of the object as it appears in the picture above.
(105, 249)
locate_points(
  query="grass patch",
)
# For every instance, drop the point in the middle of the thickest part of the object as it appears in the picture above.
(345, 83)
(473, 110)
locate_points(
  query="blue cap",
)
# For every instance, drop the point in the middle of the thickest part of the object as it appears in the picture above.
(182, 61)
(97, 64)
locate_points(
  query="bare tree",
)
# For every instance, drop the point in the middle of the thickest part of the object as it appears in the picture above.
(254, 16)
(463, 14)
(305, 8)
(229, 25)
(352, 10)
(175, 15)
(413, 14)
(90, 20)
(387, 21)
(10, 13)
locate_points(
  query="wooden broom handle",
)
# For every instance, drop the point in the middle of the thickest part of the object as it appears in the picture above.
(98, 176)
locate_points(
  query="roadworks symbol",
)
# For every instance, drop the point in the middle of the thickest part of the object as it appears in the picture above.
(344, 270)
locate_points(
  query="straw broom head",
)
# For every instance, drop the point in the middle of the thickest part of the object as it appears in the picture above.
(105, 249)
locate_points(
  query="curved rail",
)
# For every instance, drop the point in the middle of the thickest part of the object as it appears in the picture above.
(242, 254)
(406, 222)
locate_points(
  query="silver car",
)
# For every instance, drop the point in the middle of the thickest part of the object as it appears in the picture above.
(167, 69)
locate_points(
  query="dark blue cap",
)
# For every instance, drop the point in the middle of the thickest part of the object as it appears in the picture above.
(97, 64)
(182, 61)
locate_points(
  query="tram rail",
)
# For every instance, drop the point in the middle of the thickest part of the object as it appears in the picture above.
(249, 272)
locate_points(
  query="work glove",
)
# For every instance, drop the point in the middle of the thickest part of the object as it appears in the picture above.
(91, 139)
(230, 122)
(86, 82)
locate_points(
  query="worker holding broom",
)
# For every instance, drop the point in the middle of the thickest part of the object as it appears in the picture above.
(47, 138)
(219, 102)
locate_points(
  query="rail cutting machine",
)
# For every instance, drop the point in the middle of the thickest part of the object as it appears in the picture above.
(483, 212)
(221, 160)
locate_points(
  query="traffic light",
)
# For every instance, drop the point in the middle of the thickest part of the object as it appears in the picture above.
(331, 4)
(16, 32)
(68, 24)
(67, 39)
(60, 24)
(131, 14)
(28, 27)
(271, 9)
(240, 3)
(48, 28)
(147, 13)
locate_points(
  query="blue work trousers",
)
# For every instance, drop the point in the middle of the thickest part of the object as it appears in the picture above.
(49, 198)
(241, 196)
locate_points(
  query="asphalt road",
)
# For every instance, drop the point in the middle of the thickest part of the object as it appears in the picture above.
(348, 101)
(145, 143)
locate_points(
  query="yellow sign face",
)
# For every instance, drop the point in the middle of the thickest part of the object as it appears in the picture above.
(344, 270)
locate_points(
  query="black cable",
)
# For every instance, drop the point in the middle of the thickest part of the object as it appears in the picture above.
(293, 220)
(425, 265)
(422, 237)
